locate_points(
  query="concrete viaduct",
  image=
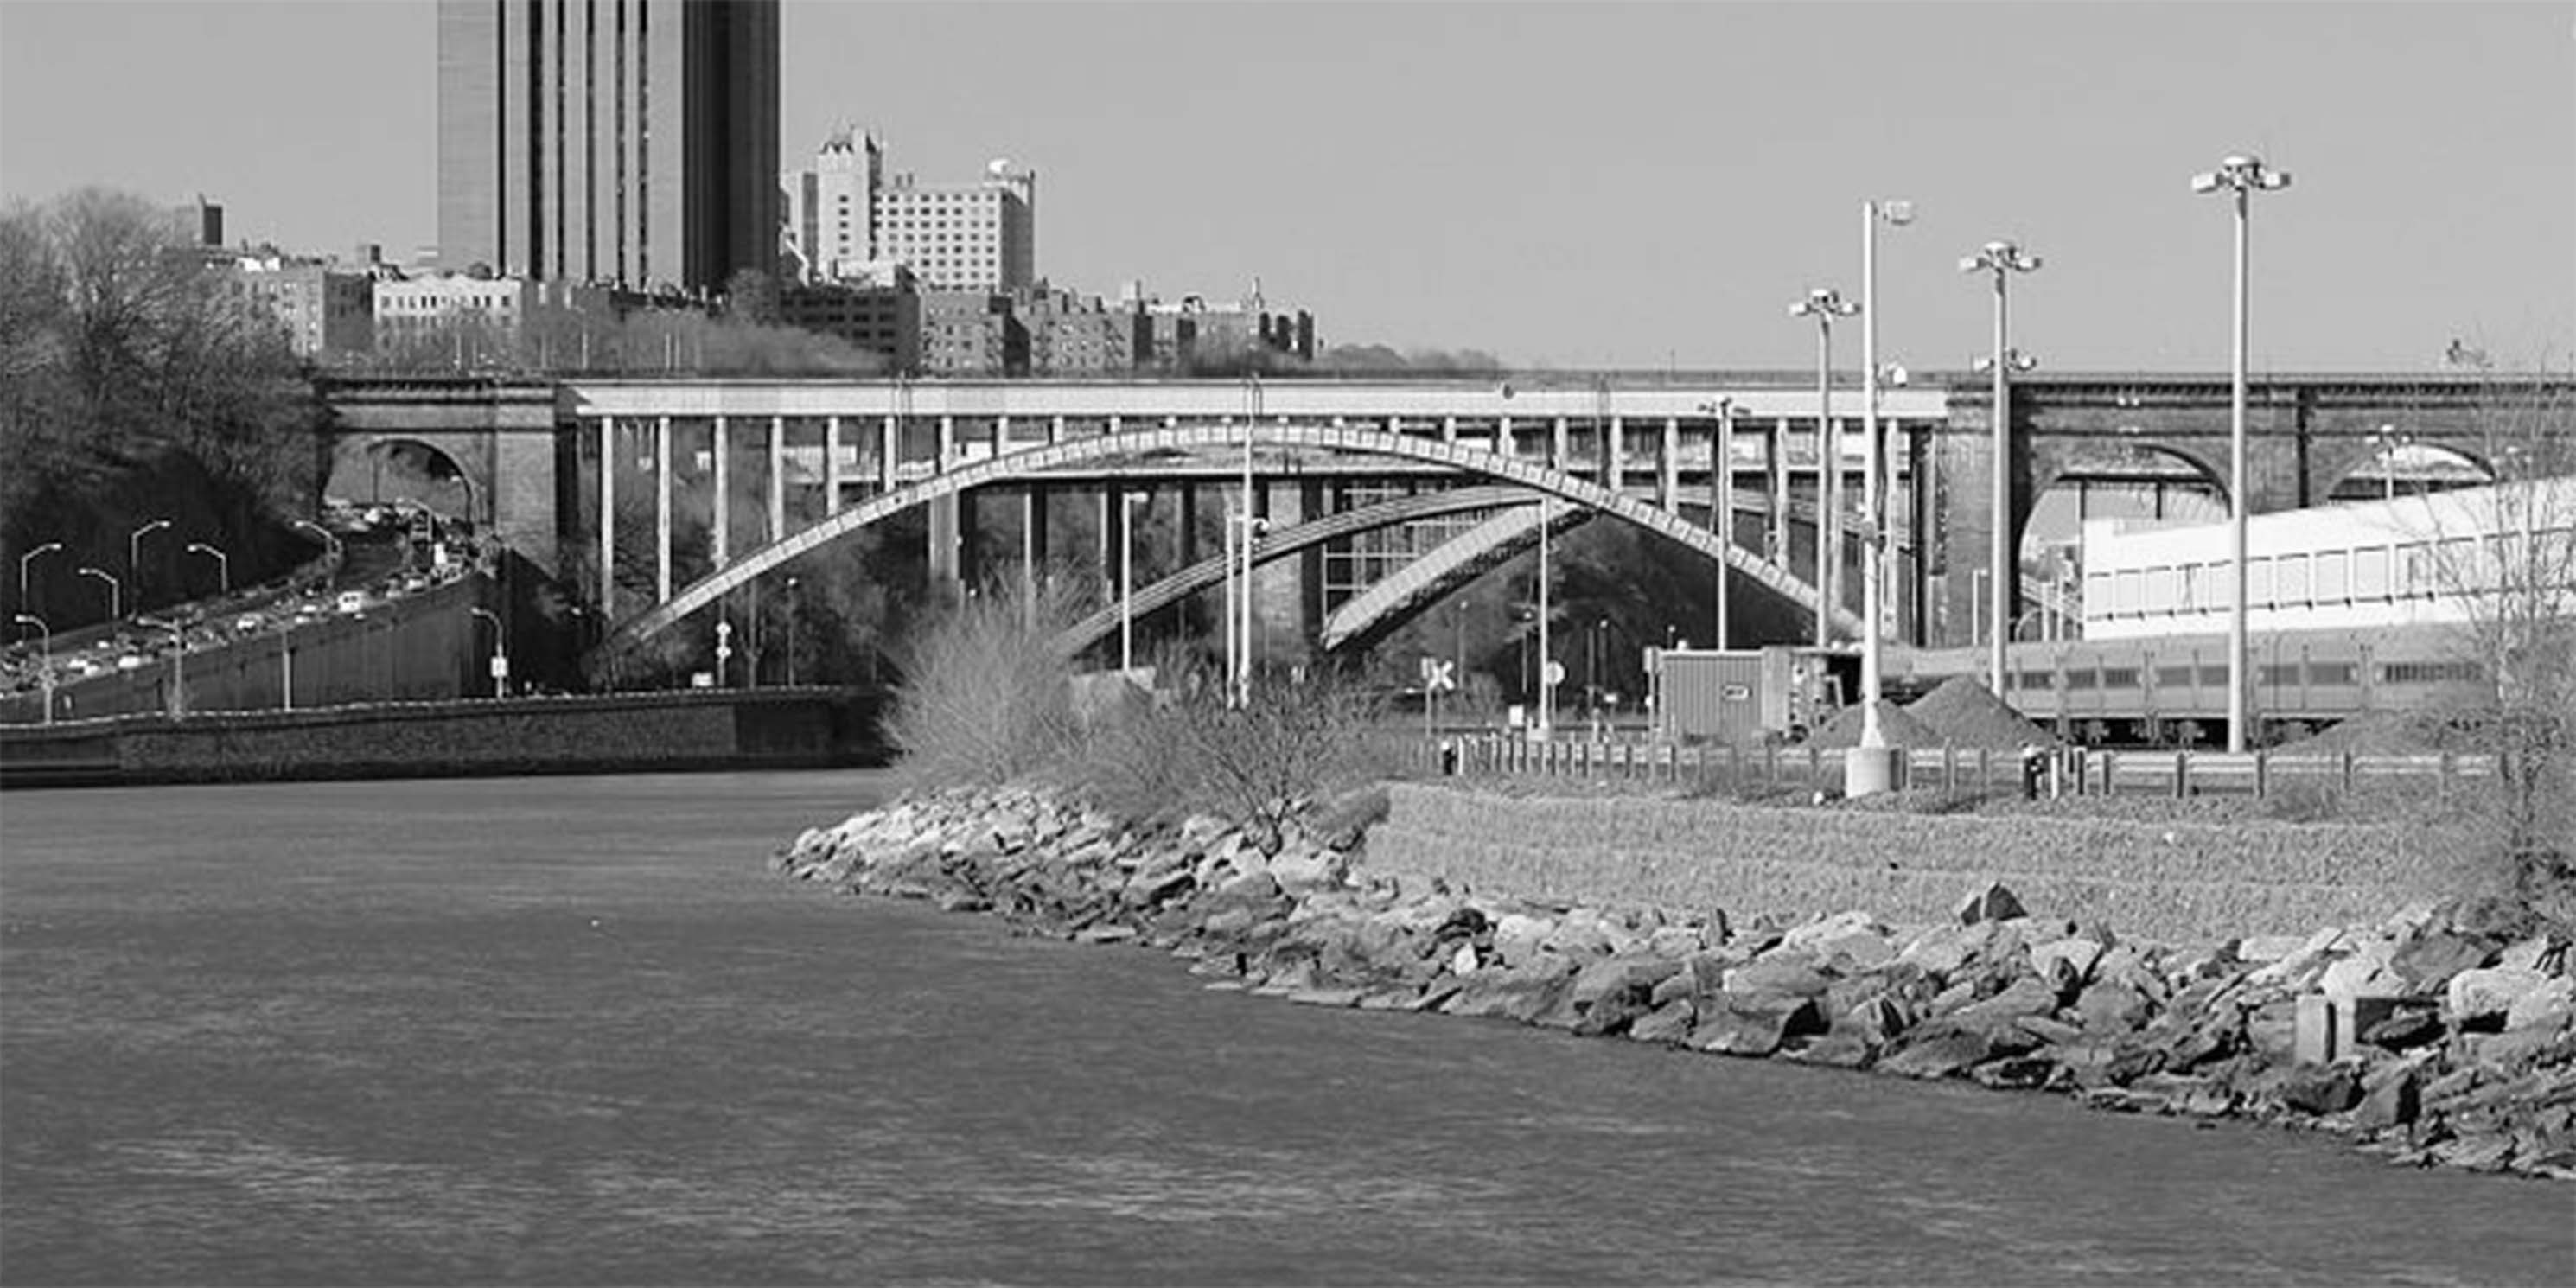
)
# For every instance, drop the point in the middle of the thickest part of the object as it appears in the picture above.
(789, 466)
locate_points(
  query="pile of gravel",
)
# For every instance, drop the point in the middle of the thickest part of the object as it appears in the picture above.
(1901, 730)
(1963, 714)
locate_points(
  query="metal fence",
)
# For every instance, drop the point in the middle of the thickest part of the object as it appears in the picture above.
(2067, 771)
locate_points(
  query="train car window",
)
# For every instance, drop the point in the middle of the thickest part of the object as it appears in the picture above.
(2078, 681)
(2290, 579)
(2281, 675)
(2213, 677)
(2173, 677)
(2370, 573)
(2334, 577)
(2456, 566)
(2330, 672)
(2033, 681)
(2429, 673)
(2415, 569)
(2119, 677)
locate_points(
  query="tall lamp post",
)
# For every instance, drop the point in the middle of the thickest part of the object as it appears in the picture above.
(500, 650)
(49, 548)
(45, 660)
(330, 539)
(1824, 304)
(1871, 767)
(2240, 177)
(2002, 259)
(223, 565)
(134, 556)
(1127, 579)
(115, 592)
(1721, 481)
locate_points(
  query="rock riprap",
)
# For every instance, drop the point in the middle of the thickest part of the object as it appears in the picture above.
(2424, 1040)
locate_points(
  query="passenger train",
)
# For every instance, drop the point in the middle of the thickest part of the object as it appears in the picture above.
(2351, 608)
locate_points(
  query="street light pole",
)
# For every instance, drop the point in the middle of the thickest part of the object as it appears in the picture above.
(1871, 767)
(134, 555)
(500, 651)
(45, 660)
(1722, 497)
(1824, 304)
(2240, 177)
(115, 592)
(1126, 581)
(330, 540)
(223, 565)
(2002, 259)
(50, 547)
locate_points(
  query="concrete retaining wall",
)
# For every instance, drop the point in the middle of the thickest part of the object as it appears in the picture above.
(2174, 883)
(536, 735)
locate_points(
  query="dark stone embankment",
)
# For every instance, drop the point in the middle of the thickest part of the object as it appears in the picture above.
(685, 730)
(2422, 1039)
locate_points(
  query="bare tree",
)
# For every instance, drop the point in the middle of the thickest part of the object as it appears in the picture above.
(2506, 556)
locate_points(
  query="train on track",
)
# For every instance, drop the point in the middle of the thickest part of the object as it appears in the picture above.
(2352, 608)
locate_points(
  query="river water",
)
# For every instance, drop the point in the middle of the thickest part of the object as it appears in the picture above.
(567, 1030)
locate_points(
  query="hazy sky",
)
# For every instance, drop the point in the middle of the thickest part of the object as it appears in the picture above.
(1582, 184)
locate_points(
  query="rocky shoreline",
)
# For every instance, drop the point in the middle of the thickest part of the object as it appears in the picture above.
(2422, 1039)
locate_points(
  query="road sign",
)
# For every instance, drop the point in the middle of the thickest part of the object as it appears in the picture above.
(1439, 675)
(1555, 673)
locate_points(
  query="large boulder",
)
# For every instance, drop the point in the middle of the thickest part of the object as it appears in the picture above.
(1756, 1026)
(1989, 902)
(1940, 1051)
(2486, 996)
(2549, 1006)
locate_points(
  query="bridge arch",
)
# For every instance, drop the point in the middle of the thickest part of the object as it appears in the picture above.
(1033, 462)
(363, 457)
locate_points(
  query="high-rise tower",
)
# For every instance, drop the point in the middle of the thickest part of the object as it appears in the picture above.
(623, 141)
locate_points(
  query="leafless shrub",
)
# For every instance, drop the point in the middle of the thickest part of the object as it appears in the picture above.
(2508, 554)
(982, 697)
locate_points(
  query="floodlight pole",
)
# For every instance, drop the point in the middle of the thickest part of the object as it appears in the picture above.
(1824, 304)
(1871, 767)
(2239, 176)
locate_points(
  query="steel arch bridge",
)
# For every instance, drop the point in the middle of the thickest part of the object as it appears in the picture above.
(1207, 572)
(1034, 462)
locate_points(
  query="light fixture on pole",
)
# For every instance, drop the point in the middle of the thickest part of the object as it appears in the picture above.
(2002, 259)
(1824, 304)
(134, 554)
(330, 540)
(2389, 440)
(2240, 177)
(115, 591)
(50, 547)
(1127, 579)
(45, 661)
(1721, 483)
(500, 649)
(1872, 767)
(223, 565)
(794, 605)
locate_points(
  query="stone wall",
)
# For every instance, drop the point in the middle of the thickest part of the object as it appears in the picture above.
(582, 734)
(2171, 882)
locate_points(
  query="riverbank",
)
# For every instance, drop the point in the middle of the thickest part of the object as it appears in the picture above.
(2424, 1038)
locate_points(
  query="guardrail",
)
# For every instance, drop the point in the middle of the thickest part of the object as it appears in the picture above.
(2069, 771)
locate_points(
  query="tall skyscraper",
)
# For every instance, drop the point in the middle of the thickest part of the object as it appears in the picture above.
(620, 141)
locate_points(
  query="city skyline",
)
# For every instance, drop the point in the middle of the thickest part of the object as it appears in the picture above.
(1553, 185)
